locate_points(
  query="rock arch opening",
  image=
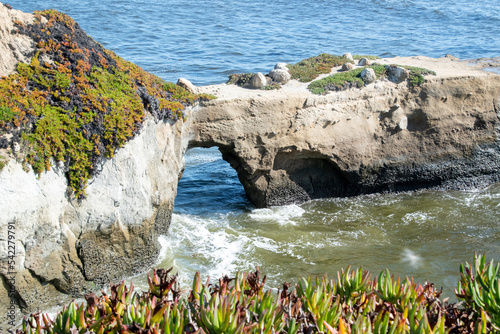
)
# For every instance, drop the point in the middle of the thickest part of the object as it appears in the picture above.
(209, 184)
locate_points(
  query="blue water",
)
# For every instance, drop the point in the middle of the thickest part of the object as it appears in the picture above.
(205, 40)
(214, 228)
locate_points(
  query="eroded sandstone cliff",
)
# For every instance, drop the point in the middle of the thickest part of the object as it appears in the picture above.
(291, 146)
(58, 240)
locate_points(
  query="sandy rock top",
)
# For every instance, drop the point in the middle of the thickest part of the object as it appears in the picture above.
(444, 67)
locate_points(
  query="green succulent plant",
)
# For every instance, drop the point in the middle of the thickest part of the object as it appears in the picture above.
(353, 303)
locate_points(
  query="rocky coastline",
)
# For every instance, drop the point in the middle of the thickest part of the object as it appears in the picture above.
(287, 144)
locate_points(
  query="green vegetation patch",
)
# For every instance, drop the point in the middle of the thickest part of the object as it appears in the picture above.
(351, 303)
(343, 80)
(309, 69)
(76, 103)
(417, 75)
(352, 79)
(369, 57)
(240, 79)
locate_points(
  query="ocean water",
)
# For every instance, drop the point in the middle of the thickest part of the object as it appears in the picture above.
(215, 229)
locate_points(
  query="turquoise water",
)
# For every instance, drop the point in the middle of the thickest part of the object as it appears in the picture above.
(215, 229)
(424, 234)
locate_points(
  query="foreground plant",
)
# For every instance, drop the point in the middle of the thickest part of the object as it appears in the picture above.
(353, 303)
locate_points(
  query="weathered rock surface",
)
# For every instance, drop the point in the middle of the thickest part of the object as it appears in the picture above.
(258, 81)
(291, 146)
(281, 76)
(368, 75)
(364, 62)
(281, 66)
(187, 85)
(13, 47)
(397, 74)
(347, 67)
(62, 246)
(348, 56)
(69, 246)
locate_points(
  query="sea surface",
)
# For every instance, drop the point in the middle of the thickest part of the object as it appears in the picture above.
(215, 230)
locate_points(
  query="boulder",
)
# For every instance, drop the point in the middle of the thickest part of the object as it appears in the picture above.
(187, 85)
(258, 81)
(368, 76)
(347, 67)
(364, 62)
(397, 74)
(281, 76)
(281, 66)
(348, 56)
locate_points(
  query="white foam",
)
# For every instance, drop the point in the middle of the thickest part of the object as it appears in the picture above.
(214, 243)
(411, 257)
(418, 217)
(197, 156)
(284, 215)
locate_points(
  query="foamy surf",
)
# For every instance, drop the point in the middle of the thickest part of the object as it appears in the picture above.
(283, 215)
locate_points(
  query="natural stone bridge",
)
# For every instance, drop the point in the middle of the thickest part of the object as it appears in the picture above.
(291, 146)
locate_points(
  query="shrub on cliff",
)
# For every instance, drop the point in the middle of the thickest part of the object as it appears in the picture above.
(76, 102)
(353, 303)
(309, 69)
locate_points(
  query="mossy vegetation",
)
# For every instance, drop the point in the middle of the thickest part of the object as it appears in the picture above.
(417, 75)
(369, 57)
(309, 69)
(352, 79)
(344, 80)
(351, 303)
(76, 102)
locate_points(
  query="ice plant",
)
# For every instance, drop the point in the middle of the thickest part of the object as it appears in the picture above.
(351, 304)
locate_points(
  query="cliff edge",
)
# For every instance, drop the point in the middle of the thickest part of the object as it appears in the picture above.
(290, 145)
(91, 150)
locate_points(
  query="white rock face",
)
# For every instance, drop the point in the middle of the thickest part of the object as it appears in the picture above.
(258, 81)
(281, 76)
(348, 56)
(69, 243)
(187, 85)
(281, 66)
(368, 75)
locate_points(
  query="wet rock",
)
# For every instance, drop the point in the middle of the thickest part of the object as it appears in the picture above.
(368, 76)
(281, 76)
